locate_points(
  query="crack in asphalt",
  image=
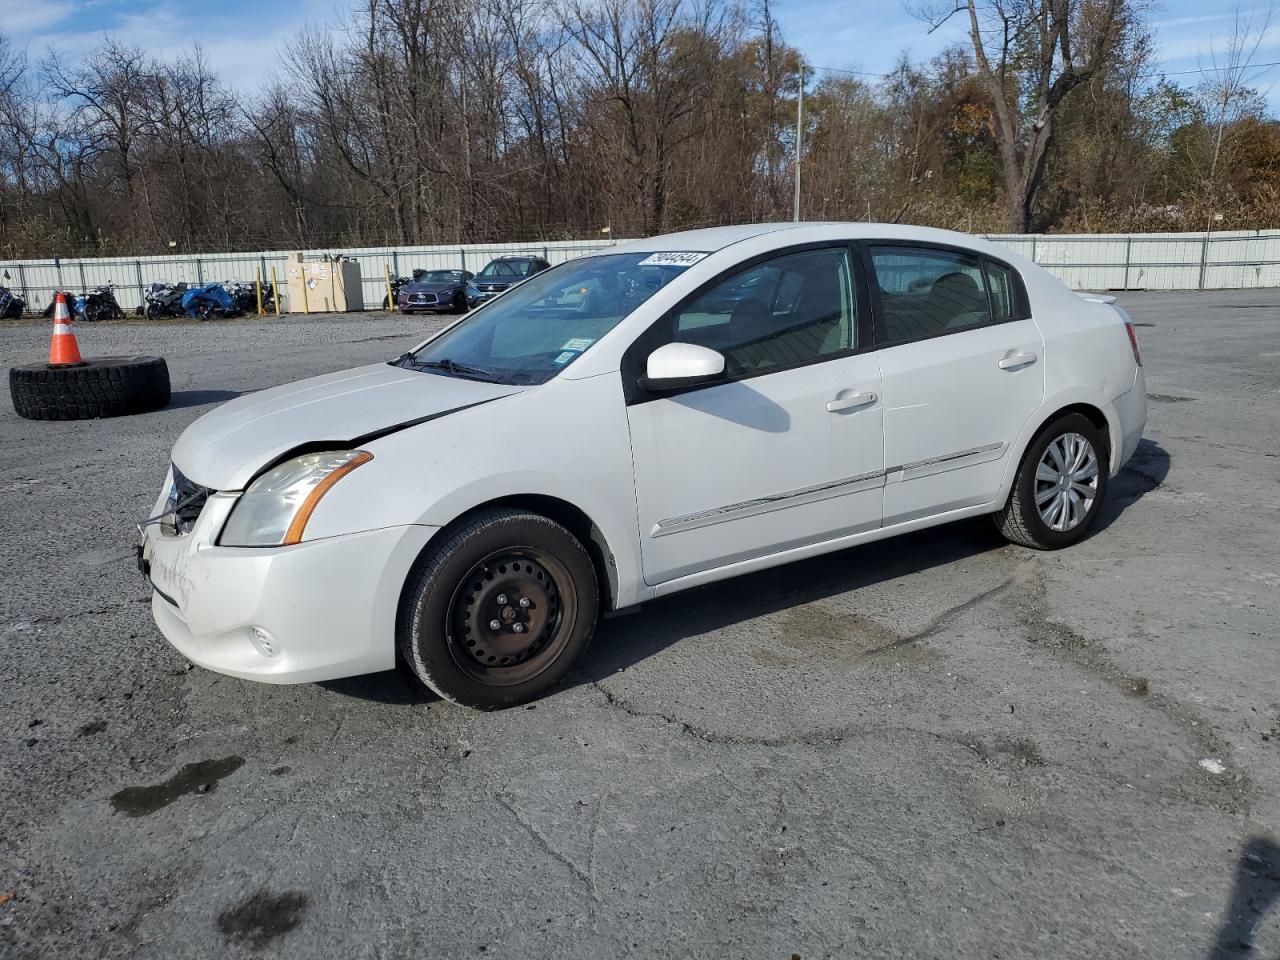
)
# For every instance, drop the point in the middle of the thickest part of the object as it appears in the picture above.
(586, 876)
(1020, 750)
(944, 619)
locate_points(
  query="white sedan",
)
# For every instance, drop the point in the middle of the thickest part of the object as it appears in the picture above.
(653, 417)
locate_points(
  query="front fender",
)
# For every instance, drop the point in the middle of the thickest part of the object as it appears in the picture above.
(566, 439)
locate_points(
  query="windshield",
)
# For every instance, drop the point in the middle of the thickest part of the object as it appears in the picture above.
(506, 268)
(535, 330)
(437, 276)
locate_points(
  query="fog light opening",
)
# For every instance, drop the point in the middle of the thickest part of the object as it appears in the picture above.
(263, 642)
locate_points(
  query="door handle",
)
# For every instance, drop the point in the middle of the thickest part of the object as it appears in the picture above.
(850, 401)
(1017, 360)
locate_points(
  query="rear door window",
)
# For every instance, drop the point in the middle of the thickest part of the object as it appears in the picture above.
(927, 292)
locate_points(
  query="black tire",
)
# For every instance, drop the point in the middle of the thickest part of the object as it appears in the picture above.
(107, 387)
(459, 302)
(1020, 519)
(442, 628)
(153, 311)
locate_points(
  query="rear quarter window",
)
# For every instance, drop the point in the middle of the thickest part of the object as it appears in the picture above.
(1004, 291)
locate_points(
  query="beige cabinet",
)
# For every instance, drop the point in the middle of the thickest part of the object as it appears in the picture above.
(323, 286)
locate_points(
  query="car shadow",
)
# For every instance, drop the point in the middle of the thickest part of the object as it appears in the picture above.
(1255, 892)
(1145, 471)
(625, 641)
(198, 398)
(392, 687)
(739, 403)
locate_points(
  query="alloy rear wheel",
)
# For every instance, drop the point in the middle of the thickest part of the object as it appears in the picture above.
(1058, 491)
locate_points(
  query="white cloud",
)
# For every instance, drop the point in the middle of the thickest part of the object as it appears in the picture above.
(244, 48)
(21, 18)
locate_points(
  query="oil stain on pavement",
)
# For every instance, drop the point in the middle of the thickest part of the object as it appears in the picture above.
(199, 777)
(262, 916)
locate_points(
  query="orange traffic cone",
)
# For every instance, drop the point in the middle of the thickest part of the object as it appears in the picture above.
(63, 351)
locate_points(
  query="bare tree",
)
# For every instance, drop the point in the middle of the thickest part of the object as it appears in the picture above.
(1030, 55)
(1225, 92)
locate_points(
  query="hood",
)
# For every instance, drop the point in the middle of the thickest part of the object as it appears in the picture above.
(227, 446)
(496, 281)
(431, 286)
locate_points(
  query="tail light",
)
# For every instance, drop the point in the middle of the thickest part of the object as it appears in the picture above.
(1133, 341)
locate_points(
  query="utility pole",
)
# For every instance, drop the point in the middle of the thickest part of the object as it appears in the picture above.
(795, 212)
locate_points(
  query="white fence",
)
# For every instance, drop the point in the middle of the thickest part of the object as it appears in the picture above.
(37, 280)
(1140, 261)
(1155, 261)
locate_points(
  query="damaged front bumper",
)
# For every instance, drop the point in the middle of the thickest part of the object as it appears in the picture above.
(316, 610)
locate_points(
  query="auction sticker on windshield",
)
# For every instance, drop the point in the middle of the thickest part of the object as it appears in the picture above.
(671, 259)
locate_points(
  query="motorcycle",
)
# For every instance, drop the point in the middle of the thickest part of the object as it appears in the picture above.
(98, 304)
(12, 305)
(245, 295)
(70, 297)
(164, 300)
(209, 302)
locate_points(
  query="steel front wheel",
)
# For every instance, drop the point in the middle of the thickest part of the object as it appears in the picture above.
(497, 612)
(1059, 487)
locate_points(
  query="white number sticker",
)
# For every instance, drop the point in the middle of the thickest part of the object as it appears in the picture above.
(671, 259)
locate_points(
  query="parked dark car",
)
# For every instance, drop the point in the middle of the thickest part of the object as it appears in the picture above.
(503, 272)
(436, 290)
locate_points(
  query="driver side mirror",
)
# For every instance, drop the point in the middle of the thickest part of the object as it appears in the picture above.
(675, 366)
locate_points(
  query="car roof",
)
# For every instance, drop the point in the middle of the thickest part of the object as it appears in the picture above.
(522, 256)
(712, 239)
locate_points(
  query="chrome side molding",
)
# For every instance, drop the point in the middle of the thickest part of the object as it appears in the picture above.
(826, 491)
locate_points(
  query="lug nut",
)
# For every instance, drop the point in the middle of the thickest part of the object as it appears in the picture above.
(518, 627)
(495, 624)
(524, 603)
(502, 599)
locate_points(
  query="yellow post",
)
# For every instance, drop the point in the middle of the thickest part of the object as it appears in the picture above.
(391, 303)
(306, 307)
(257, 288)
(275, 288)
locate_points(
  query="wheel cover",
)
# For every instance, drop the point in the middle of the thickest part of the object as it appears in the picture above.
(1066, 482)
(511, 616)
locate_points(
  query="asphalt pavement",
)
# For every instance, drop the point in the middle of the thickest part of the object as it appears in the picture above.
(937, 746)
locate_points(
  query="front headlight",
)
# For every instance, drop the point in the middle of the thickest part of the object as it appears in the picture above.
(274, 510)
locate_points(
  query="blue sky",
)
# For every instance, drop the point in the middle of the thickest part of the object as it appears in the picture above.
(1186, 31)
(242, 37)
